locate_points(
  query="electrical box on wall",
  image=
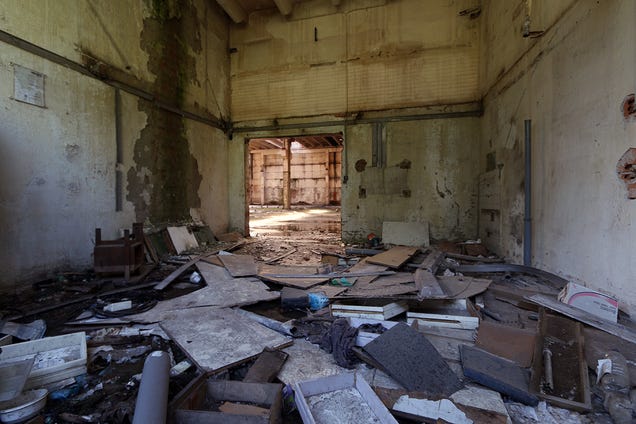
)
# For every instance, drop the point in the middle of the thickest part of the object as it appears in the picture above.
(28, 86)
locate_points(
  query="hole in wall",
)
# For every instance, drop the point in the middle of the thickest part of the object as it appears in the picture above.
(626, 170)
(629, 108)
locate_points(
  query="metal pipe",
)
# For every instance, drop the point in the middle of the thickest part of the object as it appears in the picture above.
(152, 398)
(527, 220)
(547, 368)
(418, 117)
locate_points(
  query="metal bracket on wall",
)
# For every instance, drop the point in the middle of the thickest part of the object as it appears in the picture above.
(378, 146)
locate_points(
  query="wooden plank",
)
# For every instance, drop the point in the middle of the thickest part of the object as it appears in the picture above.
(182, 239)
(56, 358)
(175, 274)
(394, 257)
(216, 339)
(481, 405)
(399, 348)
(564, 338)
(443, 320)
(389, 311)
(220, 294)
(423, 409)
(497, 373)
(432, 261)
(586, 318)
(462, 287)
(266, 367)
(213, 273)
(508, 342)
(266, 271)
(240, 391)
(239, 265)
(427, 285)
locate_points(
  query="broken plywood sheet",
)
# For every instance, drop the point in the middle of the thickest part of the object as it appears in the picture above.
(427, 285)
(182, 239)
(266, 271)
(462, 287)
(498, 373)
(266, 367)
(220, 294)
(213, 273)
(400, 283)
(408, 357)
(381, 311)
(307, 361)
(405, 233)
(394, 257)
(424, 409)
(481, 405)
(508, 342)
(216, 339)
(239, 265)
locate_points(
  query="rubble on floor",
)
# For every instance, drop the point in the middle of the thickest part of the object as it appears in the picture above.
(438, 333)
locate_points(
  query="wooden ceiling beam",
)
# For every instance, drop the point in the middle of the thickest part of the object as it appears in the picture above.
(234, 10)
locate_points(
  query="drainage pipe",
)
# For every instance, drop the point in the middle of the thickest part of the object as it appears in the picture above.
(527, 220)
(152, 399)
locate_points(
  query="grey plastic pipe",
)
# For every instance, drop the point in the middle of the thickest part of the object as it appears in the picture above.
(152, 399)
(527, 220)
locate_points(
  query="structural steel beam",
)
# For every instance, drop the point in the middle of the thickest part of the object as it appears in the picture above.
(234, 10)
(285, 7)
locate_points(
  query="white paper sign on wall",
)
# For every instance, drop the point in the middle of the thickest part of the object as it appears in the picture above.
(28, 86)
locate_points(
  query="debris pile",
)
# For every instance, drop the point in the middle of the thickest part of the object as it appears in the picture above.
(200, 330)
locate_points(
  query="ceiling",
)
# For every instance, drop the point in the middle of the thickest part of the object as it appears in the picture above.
(239, 10)
(308, 142)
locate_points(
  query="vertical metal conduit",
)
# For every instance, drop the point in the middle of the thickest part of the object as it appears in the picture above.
(527, 220)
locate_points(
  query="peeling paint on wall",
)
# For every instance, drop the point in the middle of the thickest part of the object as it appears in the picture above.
(163, 185)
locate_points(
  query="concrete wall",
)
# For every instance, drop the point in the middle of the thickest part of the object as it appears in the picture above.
(429, 176)
(364, 55)
(315, 176)
(370, 61)
(570, 82)
(59, 163)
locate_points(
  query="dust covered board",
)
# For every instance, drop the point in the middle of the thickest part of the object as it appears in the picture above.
(408, 357)
(216, 339)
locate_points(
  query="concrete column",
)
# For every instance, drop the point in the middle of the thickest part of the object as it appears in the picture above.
(286, 175)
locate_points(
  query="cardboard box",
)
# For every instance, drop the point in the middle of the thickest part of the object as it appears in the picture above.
(588, 300)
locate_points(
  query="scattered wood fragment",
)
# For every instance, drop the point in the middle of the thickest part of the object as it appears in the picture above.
(282, 256)
(267, 366)
(498, 373)
(239, 265)
(585, 317)
(176, 274)
(508, 342)
(217, 339)
(394, 257)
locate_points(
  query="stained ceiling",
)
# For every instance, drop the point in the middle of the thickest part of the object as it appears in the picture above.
(308, 142)
(239, 10)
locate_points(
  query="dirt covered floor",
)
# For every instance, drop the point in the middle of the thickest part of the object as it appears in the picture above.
(304, 233)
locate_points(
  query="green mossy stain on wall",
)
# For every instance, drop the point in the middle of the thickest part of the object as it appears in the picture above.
(163, 184)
